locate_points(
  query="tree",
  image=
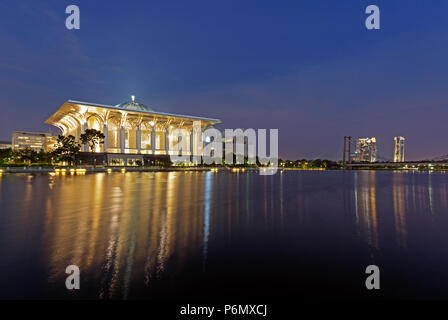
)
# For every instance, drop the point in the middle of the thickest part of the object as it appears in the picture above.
(44, 157)
(92, 137)
(7, 155)
(316, 163)
(66, 148)
(28, 155)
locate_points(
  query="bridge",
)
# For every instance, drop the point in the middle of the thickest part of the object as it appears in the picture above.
(440, 161)
(348, 163)
(389, 164)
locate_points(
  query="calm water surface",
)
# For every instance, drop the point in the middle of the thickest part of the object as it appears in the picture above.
(204, 235)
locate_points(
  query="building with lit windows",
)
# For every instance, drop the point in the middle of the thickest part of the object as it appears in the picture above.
(399, 149)
(5, 144)
(36, 141)
(134, 133)
(366, 150)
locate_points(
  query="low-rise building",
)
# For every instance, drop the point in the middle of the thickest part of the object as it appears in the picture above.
(36, 141)
(5, 144)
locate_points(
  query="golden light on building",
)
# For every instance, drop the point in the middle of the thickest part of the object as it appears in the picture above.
(399, 149)
(5, 144)
(366, 150)
(36, 141)
(133, 132)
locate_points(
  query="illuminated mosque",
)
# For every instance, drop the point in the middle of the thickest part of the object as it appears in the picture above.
(133, 132)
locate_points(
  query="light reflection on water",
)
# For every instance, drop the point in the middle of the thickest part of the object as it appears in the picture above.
(164, 234)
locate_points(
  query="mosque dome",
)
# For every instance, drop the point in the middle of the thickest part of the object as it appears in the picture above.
(132, 105)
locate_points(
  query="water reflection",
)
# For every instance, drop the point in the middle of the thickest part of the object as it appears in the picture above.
(131, 232)
(411, 194)
(400, 199)
(365, 206)
(109, 222)
(207, 204)
(430, 193)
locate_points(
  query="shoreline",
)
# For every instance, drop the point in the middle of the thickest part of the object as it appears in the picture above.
(83, 170)
(122, 169)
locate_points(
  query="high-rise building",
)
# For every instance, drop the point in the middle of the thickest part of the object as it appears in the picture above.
(399, 149)
(366, 150)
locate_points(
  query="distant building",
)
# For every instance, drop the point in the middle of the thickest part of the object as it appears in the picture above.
(5, 144)
(36, 141)
(366, 150)
(399, 149)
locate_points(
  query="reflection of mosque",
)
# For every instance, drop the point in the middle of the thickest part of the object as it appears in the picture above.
(133, 231)
(126, 229)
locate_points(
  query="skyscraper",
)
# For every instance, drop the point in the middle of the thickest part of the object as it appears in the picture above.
(366, 149)
(399, 149)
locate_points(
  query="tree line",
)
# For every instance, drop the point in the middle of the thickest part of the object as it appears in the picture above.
(65, 150)
(304, 164)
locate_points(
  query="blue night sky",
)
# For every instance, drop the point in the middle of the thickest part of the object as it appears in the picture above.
(309, 68)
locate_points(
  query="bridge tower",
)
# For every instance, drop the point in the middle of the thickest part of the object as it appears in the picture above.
(346, 155)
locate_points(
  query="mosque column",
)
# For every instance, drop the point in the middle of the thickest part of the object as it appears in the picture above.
(190, 132)
(106, 138)
(197, 145)
(85, 146)
(138, 142)
(122, 140)
(78, 133)
(153, 141)
(167, 140)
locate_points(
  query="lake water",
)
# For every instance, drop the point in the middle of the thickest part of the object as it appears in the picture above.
(205, 235)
